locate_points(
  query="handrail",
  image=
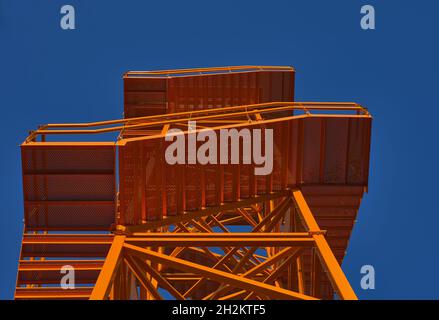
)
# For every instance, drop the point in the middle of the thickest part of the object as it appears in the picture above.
(297, 106)
(211, 70)
(206, 114)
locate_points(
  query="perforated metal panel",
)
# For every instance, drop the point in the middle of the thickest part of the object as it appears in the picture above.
(69, 187)
(307, 151)
(149, 94)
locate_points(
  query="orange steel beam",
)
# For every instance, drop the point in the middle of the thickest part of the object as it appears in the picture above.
(108, 273)
(38, 265)
(218, 275)
(272, 277)
(275, 213)
(207, 228)
(280, 209)
(249, 281)
(335, 272)
(52, 293)
(268, 243)
(289, 251)
(232, 239)
(300, 275)
(160, 280)
(138, 272)
(79, 239)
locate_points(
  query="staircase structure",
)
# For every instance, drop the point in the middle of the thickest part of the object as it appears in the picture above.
(132, 226)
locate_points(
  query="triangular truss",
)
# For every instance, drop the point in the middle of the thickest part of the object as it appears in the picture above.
(198, 256)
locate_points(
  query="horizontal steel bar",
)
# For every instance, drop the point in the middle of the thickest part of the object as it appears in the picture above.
(227, 239)
(53, 293)
(216, 235)
(66, 239)
(45, 265)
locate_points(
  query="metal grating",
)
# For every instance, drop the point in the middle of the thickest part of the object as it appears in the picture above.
(148, 93)
(69, 187)
(307, 151)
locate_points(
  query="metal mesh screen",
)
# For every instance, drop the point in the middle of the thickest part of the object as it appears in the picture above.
(306, 151)
(150, 96)
(69, 187)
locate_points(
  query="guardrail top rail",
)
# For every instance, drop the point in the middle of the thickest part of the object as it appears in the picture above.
(205, 71)
(246, 113)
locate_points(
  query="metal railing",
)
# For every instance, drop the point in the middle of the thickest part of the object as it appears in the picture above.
(246, 111)
(204, 71)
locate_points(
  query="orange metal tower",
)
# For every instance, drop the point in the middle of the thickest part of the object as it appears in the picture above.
(133, 226)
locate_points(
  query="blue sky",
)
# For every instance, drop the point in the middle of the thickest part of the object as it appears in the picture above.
(52, 75)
